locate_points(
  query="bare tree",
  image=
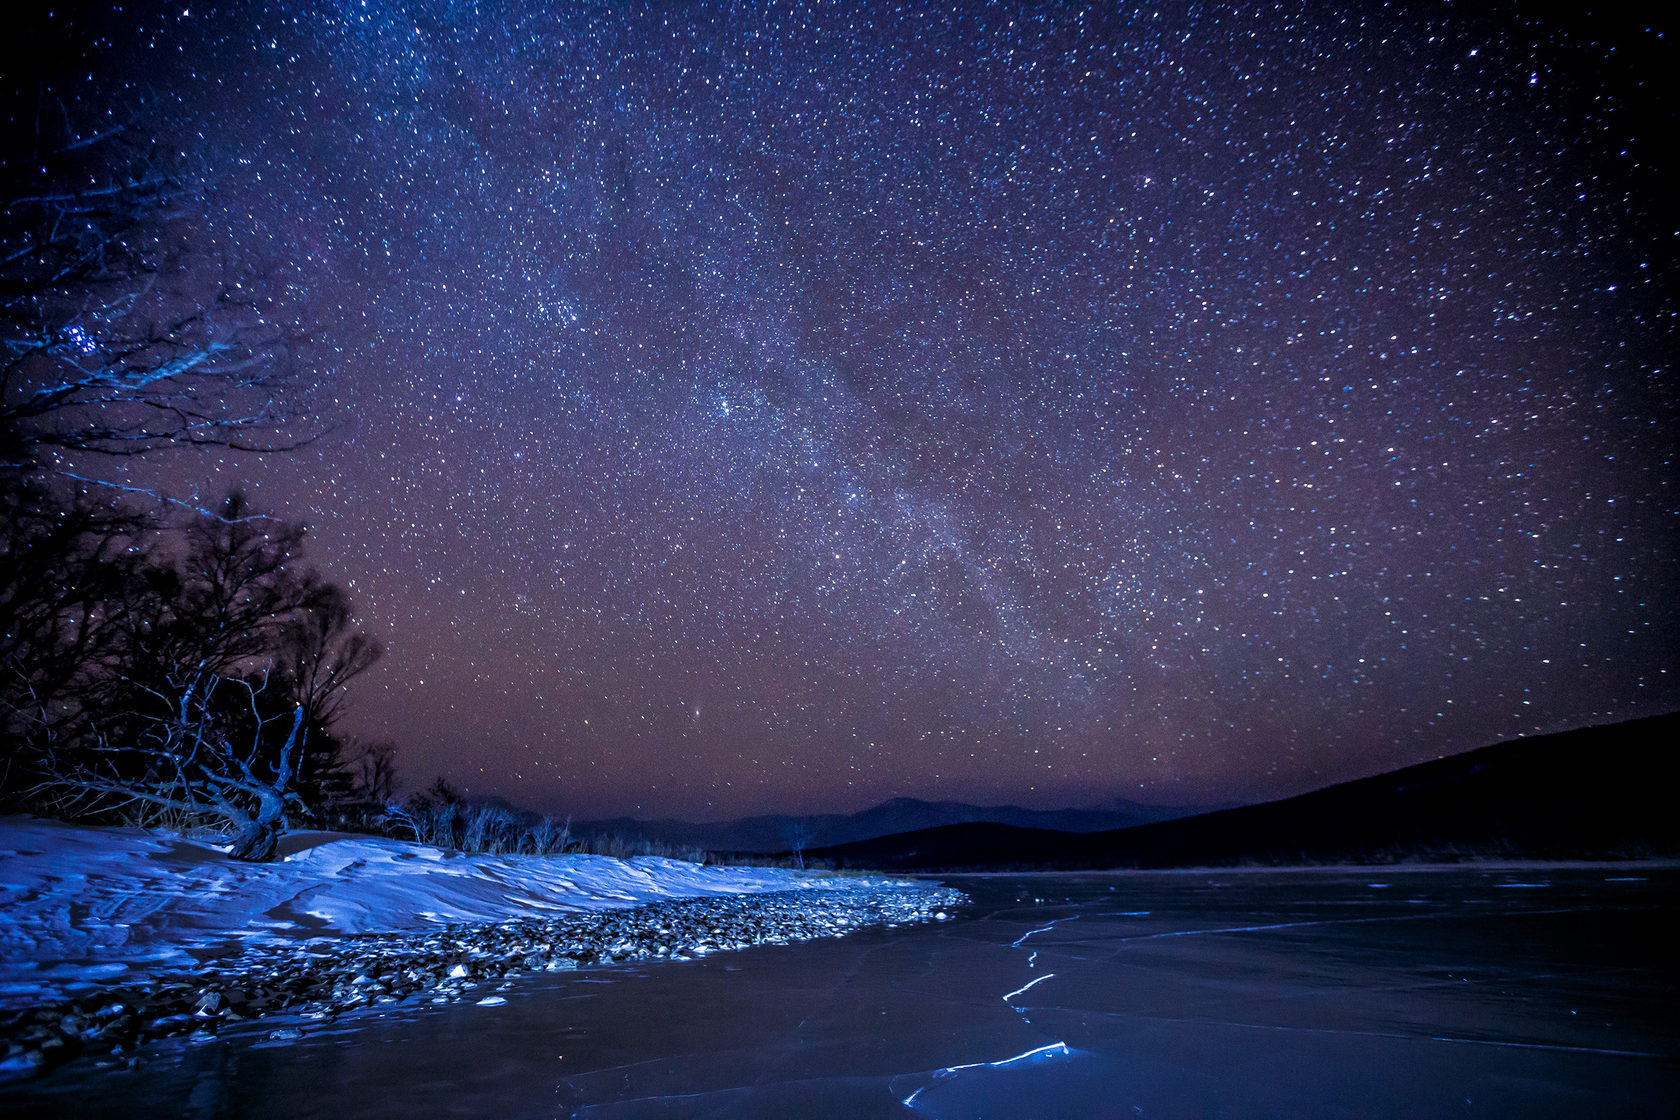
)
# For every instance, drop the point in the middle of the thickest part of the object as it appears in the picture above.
(174, 674)
(375, 767)
(198, 758)
(437, 816)
(323, 648)
(551, 837)
(397, 816)
(190, 668)
(488, 829)
(122, 330)
(798, 835)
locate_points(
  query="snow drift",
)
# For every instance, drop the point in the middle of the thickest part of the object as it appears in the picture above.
(81, 904)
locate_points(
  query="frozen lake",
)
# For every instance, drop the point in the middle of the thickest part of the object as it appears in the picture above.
(1366, 992)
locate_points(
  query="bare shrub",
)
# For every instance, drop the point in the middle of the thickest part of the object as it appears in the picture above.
(201, 759)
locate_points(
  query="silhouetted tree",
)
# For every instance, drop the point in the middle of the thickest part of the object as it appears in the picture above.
(211, 691)
(148, 661)
(65, 568)
(376, 770)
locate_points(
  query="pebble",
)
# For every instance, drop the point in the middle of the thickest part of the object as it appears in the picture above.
(326, 977)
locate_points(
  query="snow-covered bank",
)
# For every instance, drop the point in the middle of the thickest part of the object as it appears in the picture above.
(81, 906)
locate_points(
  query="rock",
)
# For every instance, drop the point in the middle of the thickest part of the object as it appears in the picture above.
(26, 1063)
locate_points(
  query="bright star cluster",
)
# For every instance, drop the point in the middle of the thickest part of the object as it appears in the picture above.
(785, 406)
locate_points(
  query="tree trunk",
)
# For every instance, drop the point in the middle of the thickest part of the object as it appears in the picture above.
(258, 838)
(258, 841)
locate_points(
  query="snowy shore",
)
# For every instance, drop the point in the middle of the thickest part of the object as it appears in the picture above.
(112, 937)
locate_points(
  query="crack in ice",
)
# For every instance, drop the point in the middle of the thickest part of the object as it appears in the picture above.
(1453, 1039)
(1027, 985)
(1333, 922)
(1016, 944)
(1054, 1047)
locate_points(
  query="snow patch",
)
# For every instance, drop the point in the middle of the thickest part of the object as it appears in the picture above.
(78, 903)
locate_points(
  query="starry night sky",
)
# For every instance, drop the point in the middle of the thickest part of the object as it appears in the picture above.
(786, 406)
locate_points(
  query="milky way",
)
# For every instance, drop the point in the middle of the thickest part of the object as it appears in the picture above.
(788, 406)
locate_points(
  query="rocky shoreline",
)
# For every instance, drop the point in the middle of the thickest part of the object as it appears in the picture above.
(323, 978)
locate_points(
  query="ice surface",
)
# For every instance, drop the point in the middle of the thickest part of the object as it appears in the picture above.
(1311, 993)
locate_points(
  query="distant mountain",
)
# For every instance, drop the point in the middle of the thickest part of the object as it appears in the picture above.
(766, 834)
(1590, 794)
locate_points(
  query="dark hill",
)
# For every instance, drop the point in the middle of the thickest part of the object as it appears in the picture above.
(766, 834)
(1595, 793)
